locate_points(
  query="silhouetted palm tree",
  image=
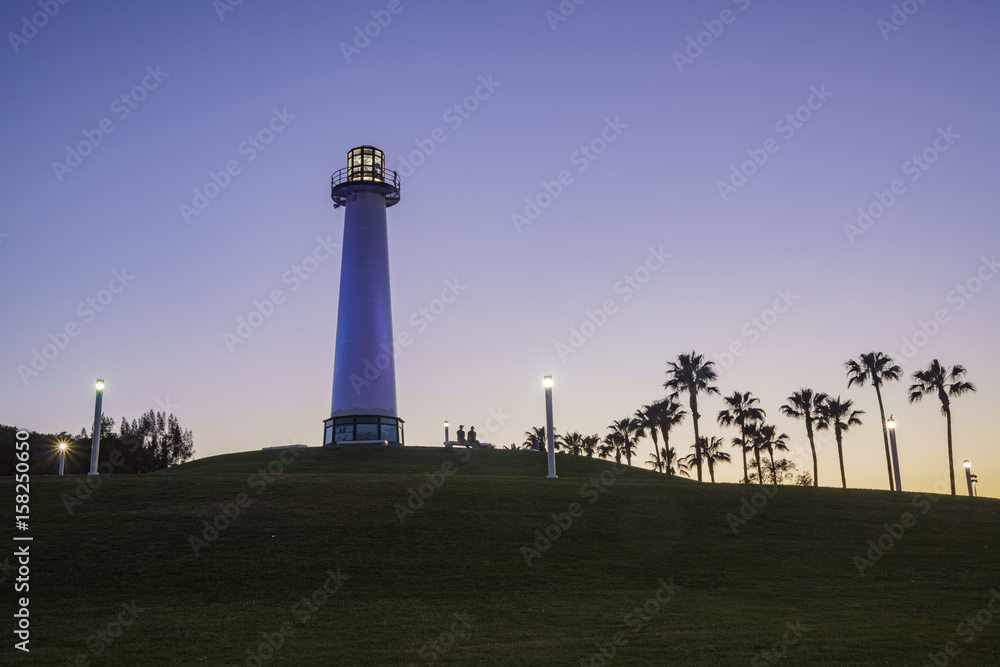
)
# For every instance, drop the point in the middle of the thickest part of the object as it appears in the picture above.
(841, 415)
(590, 443)
(766, 437)
(535, 438)
(627, 431)
(944, 384)
(691, 374)
(742, 410)
(806, 404)
(752, 443)
(670, 415)
(875, 368)
(570, 442)
(648, 417)
(610, 444)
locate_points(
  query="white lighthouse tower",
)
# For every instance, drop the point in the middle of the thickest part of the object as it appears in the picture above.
(364, 370)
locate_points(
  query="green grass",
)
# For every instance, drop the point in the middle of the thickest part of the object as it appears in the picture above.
(461, 552)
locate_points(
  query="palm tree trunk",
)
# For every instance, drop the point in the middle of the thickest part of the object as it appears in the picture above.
(656, 449)
(812, 446)
(840, 453)
(951, 455)
(760, 473)
(694, 418)
(774, 473)
(743, 447)
(668, 460)
(885, 439)
(711, 471)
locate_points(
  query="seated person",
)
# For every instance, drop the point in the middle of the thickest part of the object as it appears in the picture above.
(472, 436)
(460, 436)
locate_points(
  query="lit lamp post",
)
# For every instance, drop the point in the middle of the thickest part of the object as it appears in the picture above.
(62, 457)
(96, 446)
(891, 425)
(547, 383)
(968, 475)
(446, 431)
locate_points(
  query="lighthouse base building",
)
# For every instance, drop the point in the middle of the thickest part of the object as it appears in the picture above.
(363, 411)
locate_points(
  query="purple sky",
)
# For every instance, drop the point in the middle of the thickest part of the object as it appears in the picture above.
(198, 85)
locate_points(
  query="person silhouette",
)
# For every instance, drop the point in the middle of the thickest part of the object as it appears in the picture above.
(472, 436)
(460, 436)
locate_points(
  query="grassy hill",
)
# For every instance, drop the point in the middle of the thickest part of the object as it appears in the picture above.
(645, 568)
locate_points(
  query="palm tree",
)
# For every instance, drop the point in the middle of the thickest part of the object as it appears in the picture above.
(945, 384)
(611, 444)
(535, 438)
(570, 442)
(752, 443)
(691, 374)
(743, 409)
(670, 414)
(627, 433)
(649, 418)
(590, 443)
(841, 416)
(806, 404)
(711, 450)
(875, 368)
(765, 437)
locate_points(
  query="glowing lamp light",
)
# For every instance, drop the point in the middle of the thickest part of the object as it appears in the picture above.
(547, 381)
(446, 423)
(100, 385)
(967, 464)
(62, 445)
(891, 423)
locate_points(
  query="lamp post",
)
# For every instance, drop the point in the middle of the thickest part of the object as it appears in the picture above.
(891, 425)
(446, 431)
(547, 383)
(62, 457)
(96, 446)
(968, 475)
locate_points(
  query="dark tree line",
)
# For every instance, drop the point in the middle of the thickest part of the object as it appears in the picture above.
(152, 442)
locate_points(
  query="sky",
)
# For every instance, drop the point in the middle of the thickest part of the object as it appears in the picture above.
(604, 185)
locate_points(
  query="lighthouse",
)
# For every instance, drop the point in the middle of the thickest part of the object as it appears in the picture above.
(364, 371)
